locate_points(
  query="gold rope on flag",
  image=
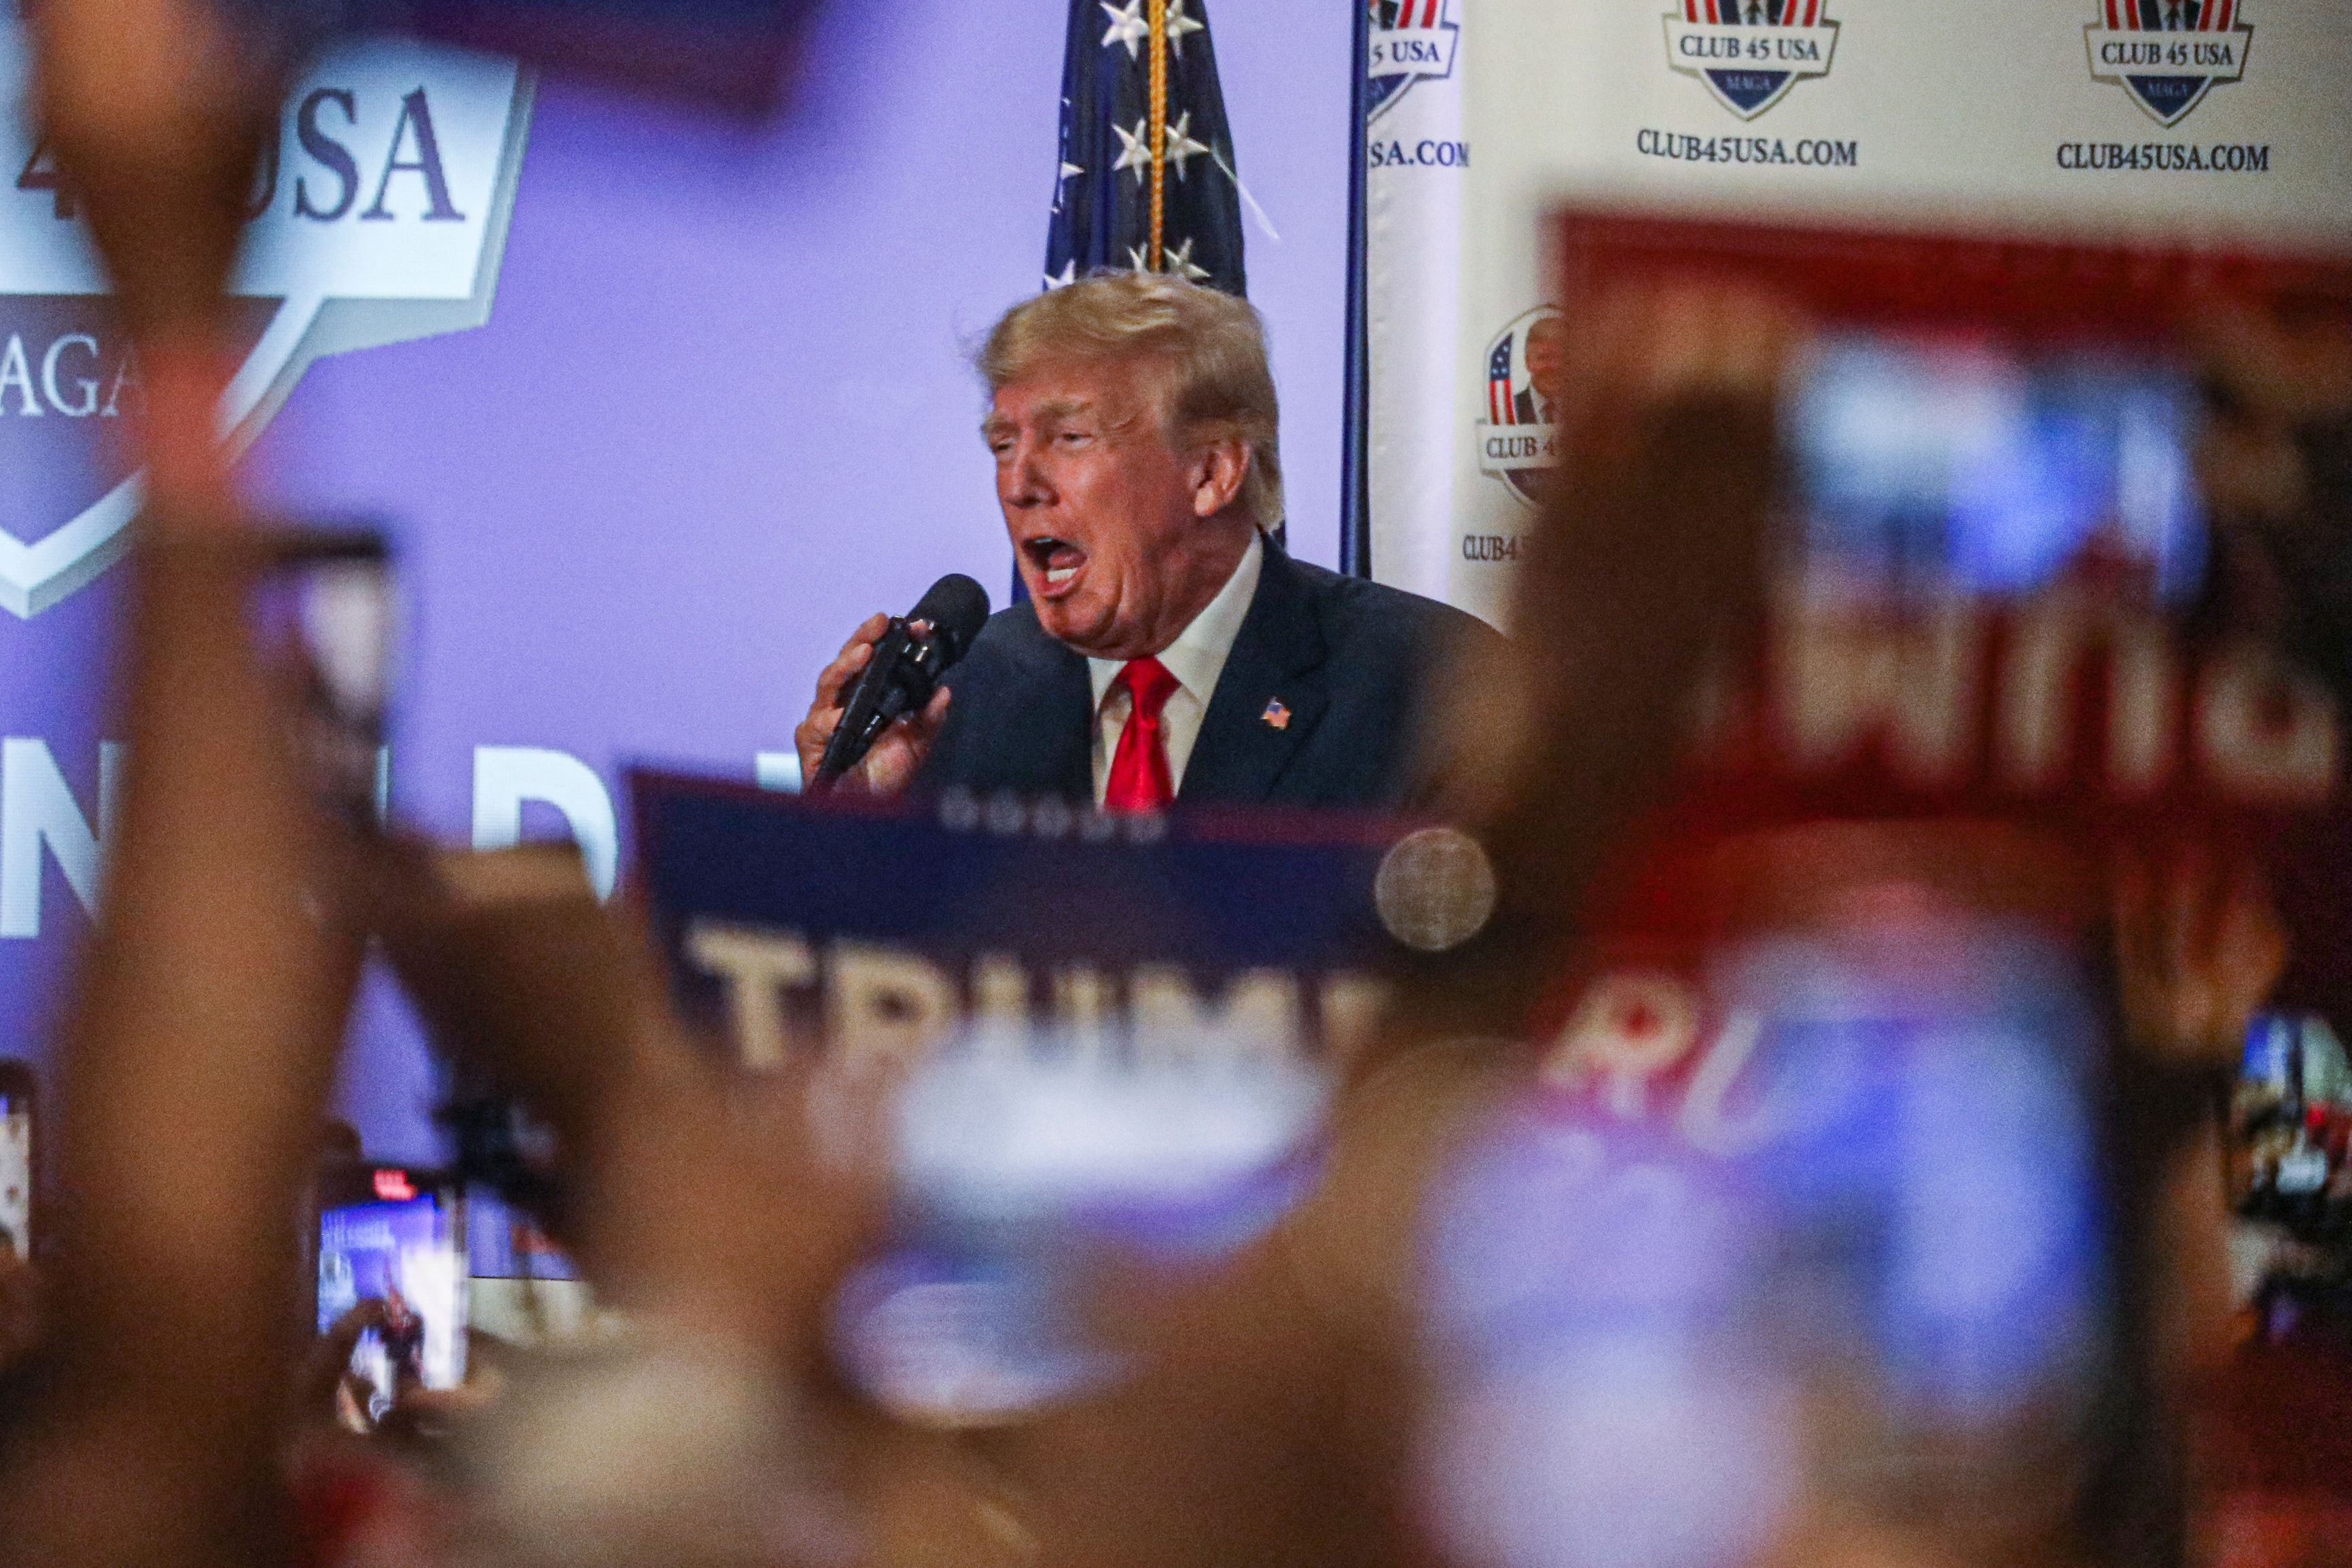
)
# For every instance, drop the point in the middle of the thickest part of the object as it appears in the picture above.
(1159, 122)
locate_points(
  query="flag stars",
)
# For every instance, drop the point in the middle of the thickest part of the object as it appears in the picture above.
(1135, 146)
(1178, 25)
(1134, 149)
(1179, 261)
(1176, 259)
(1129, 27)
(1180, 144)
(1121, 226)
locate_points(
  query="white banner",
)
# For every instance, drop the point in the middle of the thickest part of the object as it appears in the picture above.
(1416, 158)
(2226, 118)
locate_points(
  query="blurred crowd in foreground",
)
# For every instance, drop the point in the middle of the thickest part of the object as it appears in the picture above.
(1962, 1290)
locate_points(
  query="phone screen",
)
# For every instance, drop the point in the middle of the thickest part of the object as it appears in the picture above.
(1018, 1175)
(2291, 1174)
(524, 1289)
(407, 1253)
(1964, 462)
(16, 1158)
(332, 616)
(1825, 1204)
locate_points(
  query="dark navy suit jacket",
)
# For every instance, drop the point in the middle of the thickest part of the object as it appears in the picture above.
(1350, 660)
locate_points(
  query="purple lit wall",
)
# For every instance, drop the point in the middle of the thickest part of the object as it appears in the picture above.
(721, 411)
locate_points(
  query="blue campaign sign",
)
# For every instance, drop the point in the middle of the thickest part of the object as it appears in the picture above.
(1116, 1032)
(878, 930)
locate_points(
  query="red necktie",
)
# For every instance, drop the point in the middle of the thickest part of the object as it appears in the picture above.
(1139, 779)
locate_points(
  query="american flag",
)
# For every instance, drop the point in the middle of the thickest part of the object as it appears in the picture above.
(1499, 410)
(1147, 180)
(1756, 12)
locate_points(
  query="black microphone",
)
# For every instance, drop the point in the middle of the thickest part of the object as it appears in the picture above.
(905, 670)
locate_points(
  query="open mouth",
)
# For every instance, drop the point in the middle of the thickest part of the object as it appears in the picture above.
(1059, 561)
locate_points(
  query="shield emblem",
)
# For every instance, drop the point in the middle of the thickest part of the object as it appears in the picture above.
(1749, 53)
(2167, 54)
(379, 216)
(69, 386)
(1413, 40)
(1517, 442)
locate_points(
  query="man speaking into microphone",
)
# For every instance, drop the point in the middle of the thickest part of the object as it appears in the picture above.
(1170, 650)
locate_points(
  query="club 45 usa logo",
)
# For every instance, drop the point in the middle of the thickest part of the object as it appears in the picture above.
(1749, 53)
(1526, 364)
(378, 214)
(2167, 54)
(1413, 40)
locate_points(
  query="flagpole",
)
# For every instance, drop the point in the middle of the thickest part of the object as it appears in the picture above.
(1355, 503)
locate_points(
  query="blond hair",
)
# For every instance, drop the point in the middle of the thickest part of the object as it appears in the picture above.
(1214, 380)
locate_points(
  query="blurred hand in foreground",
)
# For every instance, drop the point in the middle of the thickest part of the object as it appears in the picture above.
(2274, 463)
(2199, 949)
(1647, 564)
(157, 110)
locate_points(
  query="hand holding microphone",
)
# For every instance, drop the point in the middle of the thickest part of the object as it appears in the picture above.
(880, 703)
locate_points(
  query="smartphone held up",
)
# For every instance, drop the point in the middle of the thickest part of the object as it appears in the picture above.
(391, 1264)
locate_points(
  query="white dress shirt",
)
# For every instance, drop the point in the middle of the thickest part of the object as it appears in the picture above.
(1195, 659)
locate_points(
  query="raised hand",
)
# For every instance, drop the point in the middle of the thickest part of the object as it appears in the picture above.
(2199, 948)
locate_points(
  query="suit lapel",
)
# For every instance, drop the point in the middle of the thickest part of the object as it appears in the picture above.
(1046, 742)
(1268, 696)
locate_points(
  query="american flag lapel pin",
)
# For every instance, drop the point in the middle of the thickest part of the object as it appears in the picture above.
(1276, 715)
